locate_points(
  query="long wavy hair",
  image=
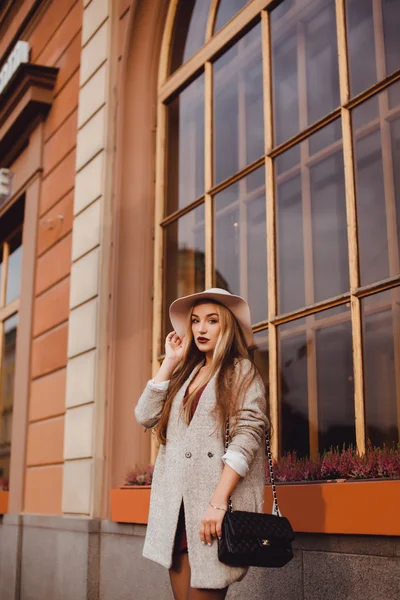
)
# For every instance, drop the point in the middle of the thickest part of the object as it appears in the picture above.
(232, 381)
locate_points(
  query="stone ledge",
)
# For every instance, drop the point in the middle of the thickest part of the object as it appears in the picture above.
(123, 528)
(367, 545)
(62, 523)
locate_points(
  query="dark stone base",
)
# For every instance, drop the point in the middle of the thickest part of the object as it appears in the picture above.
(54, 558)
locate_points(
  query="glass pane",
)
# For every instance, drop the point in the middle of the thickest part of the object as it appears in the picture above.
(335, 385)
(240, 242)
(189, 30)
(381, 334)
(238, 106)
(261, 355)
(373, 27)
(227, 10)
(311, 221)
(317, 390)
(305, 66)
(377, 160)
(186, 146)
(14, 268)
(7, 373)
(184, 270)
(293, 401)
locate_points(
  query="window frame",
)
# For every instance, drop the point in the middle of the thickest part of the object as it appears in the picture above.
(6, 310)
(171, 85)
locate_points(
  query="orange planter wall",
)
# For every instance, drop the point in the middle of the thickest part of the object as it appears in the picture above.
(367, 507)
(3, 502)
(364, 507)
(130, 504)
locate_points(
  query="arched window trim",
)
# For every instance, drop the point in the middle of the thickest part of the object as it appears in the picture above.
(169, 85)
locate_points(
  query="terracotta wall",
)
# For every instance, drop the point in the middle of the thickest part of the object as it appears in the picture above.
(124, 8)
(55, 41)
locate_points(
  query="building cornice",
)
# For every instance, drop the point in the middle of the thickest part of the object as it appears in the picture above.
(26, 99)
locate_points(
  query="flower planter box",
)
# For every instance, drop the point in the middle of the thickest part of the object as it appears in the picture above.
(130, 504)
(350, 507)
(3, 502)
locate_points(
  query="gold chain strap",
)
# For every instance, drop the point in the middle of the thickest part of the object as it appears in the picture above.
(271, 470)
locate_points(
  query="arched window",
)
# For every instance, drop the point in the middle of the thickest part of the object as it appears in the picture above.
(278, 179)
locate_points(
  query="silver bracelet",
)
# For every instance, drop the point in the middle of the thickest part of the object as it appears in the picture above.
(218, 507)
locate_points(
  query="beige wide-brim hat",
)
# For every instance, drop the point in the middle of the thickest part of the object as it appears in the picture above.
(180, 308)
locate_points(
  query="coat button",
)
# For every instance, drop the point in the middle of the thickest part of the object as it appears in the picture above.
(210, 454)
(188, 454)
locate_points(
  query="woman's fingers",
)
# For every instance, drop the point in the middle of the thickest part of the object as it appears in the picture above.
(207, 534)
(218, 529)
(211, 526)
(202, 533)
(173, 338)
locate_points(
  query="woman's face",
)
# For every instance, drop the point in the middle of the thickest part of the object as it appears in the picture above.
(205, 326)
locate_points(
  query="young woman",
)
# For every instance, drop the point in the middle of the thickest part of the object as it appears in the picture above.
(205, 379)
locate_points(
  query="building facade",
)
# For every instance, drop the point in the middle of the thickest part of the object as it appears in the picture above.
(153, 148)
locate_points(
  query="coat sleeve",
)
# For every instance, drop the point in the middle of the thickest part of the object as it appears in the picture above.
(149, 408)
(251, 422)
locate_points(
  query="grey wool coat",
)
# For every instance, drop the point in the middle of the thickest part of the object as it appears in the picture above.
(188, 469)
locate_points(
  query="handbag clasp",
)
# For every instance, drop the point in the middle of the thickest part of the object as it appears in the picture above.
(265, 542)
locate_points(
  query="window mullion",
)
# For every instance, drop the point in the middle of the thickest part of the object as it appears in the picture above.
(273, 392)
(209, 176)
(344, 85)
(352, 231)
(211, 19)
(1, 373)
(160, 202)
(3, 283)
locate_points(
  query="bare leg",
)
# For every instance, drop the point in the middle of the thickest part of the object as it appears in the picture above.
(179, 575)
(203, 594)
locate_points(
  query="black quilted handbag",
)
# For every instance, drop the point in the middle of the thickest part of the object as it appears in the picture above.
(255, 539)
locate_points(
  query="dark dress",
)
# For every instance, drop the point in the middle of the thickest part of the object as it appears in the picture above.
(180, 545)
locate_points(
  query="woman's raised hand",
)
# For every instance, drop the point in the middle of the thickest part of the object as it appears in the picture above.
(174, 346)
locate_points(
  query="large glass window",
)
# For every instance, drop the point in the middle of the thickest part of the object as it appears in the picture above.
(10, 282)
(283, 185)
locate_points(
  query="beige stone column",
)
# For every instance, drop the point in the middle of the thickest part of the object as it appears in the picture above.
(87, 341)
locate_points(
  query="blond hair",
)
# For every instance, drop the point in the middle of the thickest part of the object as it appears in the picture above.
(231, 384)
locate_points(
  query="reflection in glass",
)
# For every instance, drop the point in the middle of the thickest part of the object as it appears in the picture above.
(335, 385)
(238, 106)
(261, 355)
(372, 27)
(311, 221)
(184, 251)
(317, 390)
(381, 334)
(240, 242)
(293, 391)
(305, 66)
(189, 30)
(7, 371)
(186, 146)
(14, 268)
(377, 161)
(227, 9)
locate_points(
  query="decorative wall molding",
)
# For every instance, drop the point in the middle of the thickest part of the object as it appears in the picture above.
(26, 99)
